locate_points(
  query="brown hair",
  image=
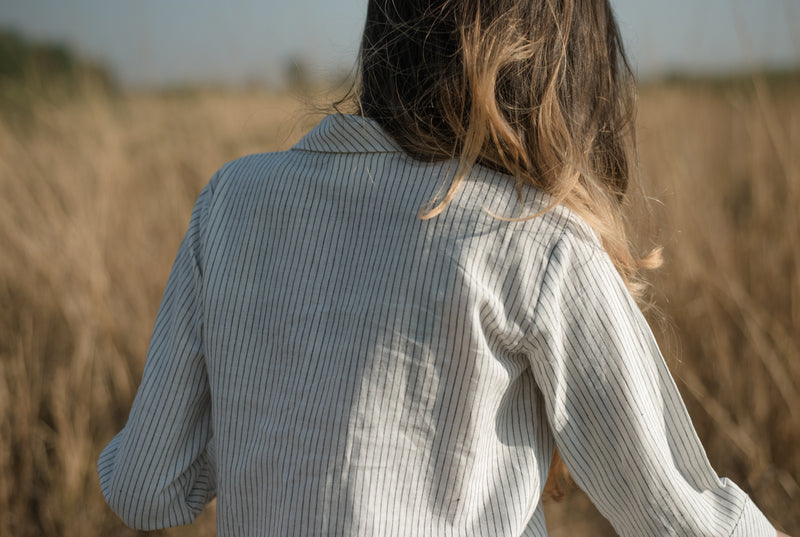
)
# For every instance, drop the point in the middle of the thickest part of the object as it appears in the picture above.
(538, 89)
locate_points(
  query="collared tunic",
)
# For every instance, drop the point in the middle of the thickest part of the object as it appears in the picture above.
(328, 364)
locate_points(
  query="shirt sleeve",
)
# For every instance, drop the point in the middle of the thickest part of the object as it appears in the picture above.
(159, 471)
(616, 414)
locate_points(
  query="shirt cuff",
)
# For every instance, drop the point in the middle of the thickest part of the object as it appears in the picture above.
(753, 523)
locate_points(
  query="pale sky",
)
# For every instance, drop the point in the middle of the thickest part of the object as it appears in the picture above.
(156, 42)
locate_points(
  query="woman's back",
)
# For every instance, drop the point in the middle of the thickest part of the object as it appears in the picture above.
(365, 372)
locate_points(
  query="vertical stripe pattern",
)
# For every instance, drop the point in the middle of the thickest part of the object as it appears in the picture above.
(325, 363)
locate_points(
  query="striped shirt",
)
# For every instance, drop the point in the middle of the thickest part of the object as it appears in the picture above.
(326, 363)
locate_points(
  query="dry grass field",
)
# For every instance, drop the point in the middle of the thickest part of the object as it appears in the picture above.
(95, 194)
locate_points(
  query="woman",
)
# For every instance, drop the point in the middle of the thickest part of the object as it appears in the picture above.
(388, 329)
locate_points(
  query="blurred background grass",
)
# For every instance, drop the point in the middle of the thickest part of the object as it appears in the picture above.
(96, 188)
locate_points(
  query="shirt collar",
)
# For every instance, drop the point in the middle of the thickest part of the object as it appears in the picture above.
(341, 133)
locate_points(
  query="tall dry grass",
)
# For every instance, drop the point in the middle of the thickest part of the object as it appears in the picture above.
(725, 161)
(95, 195)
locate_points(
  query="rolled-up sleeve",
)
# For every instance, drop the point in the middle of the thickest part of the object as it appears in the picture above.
(159, 471)
(615, 412)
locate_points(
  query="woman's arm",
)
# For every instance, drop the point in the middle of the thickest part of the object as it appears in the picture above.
(616, 414)
(159, 471)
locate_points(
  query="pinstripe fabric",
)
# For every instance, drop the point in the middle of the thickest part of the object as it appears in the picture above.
(328, 364)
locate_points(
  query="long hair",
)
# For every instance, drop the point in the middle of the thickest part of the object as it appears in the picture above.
(538, 89)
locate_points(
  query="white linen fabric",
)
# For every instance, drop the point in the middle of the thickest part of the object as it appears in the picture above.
(328, 364)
